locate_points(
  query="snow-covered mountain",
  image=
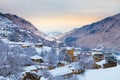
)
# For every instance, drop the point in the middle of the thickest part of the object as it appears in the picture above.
(25, 24)
(104, 33)
(16, 29)
(54, 34)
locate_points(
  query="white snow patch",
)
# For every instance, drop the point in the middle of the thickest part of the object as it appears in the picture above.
(36, 57)
(42, 78)
(93, 53)
(33, 67)
(104, 74)
(3, 78)
(101, 63)
(61, 71)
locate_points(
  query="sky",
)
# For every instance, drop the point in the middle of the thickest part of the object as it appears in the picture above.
(60, 15)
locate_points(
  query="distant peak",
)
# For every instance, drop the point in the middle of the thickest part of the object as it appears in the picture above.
(117, 15)
(10, 15)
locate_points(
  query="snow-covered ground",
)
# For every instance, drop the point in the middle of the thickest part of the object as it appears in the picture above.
(101, 63)
(103, 74)
(3, 78)
(61, 71)
(98, 74)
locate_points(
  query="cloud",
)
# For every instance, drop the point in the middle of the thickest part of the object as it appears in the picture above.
(57, 7)
(48, 12)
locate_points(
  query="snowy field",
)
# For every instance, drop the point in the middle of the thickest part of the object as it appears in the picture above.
(103, 74)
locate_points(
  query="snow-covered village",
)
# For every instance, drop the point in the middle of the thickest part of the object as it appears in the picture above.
(58, 51)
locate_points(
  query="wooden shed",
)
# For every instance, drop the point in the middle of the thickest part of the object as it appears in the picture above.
(98, 57)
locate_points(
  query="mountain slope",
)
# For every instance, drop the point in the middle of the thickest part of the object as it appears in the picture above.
(17, 29)
(25, 24)
(54, 34)
(102, 33)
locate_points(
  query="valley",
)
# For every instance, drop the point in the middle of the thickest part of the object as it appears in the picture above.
(29, 54)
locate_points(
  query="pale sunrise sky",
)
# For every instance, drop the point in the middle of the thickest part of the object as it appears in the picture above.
(60, 15)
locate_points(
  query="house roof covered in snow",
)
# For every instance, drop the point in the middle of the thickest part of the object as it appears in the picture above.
(39, 44)
(36, 57)
(76, 53)
(69, 48)
(33, 67)
(93, 53)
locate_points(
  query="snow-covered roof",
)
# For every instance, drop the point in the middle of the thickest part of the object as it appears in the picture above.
(36, 57)
(61, 71)
(38, 43)
(76, 53)
(78, 48)
(98, 49)
(33, 67)
(69, 48)
(93, 53)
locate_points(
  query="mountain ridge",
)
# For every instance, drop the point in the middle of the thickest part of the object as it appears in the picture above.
(24, 23)
(104, 32)
(14, 30)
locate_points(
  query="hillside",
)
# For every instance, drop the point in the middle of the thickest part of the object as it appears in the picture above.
(25, 24)
(104, 33)
(54, 34)
(16, 29)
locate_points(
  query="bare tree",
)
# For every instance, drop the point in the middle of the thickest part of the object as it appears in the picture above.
(30, 51)
(10, 62)
(17, 49)
(63, 55)
(85, 61)
(68, 57)
(51, 58)
(3, 47)
(45, 74)
(119, 62)
(60, 56)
